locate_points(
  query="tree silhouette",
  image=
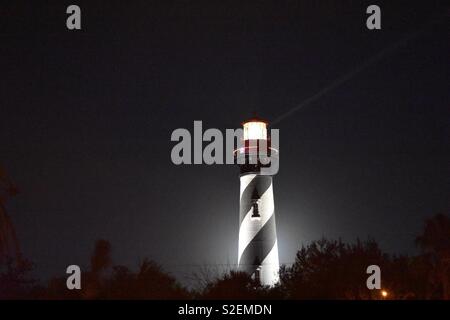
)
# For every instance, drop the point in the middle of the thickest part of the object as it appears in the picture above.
(327, 269)
(234, 285)
(435, 244)
(9, 245)
(149, 282)
(14, 280)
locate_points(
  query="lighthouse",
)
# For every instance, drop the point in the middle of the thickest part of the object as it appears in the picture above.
(258, 248)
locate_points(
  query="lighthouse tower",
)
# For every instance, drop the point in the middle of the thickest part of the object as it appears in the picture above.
(258, 249)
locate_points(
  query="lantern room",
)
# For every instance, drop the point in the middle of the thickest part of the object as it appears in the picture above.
(255, 129)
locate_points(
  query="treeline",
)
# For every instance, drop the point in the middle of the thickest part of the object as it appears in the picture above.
(324, 269)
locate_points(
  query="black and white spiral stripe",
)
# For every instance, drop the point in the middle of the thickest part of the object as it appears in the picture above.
(257, 237)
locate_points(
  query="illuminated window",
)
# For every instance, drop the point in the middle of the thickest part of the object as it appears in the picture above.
(255, 211)
(258, 274)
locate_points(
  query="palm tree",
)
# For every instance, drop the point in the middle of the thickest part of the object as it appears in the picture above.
(435, 243)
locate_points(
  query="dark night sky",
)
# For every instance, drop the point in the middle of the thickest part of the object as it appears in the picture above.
(86, 119)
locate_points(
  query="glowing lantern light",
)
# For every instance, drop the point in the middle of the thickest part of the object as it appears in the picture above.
(255, 130)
